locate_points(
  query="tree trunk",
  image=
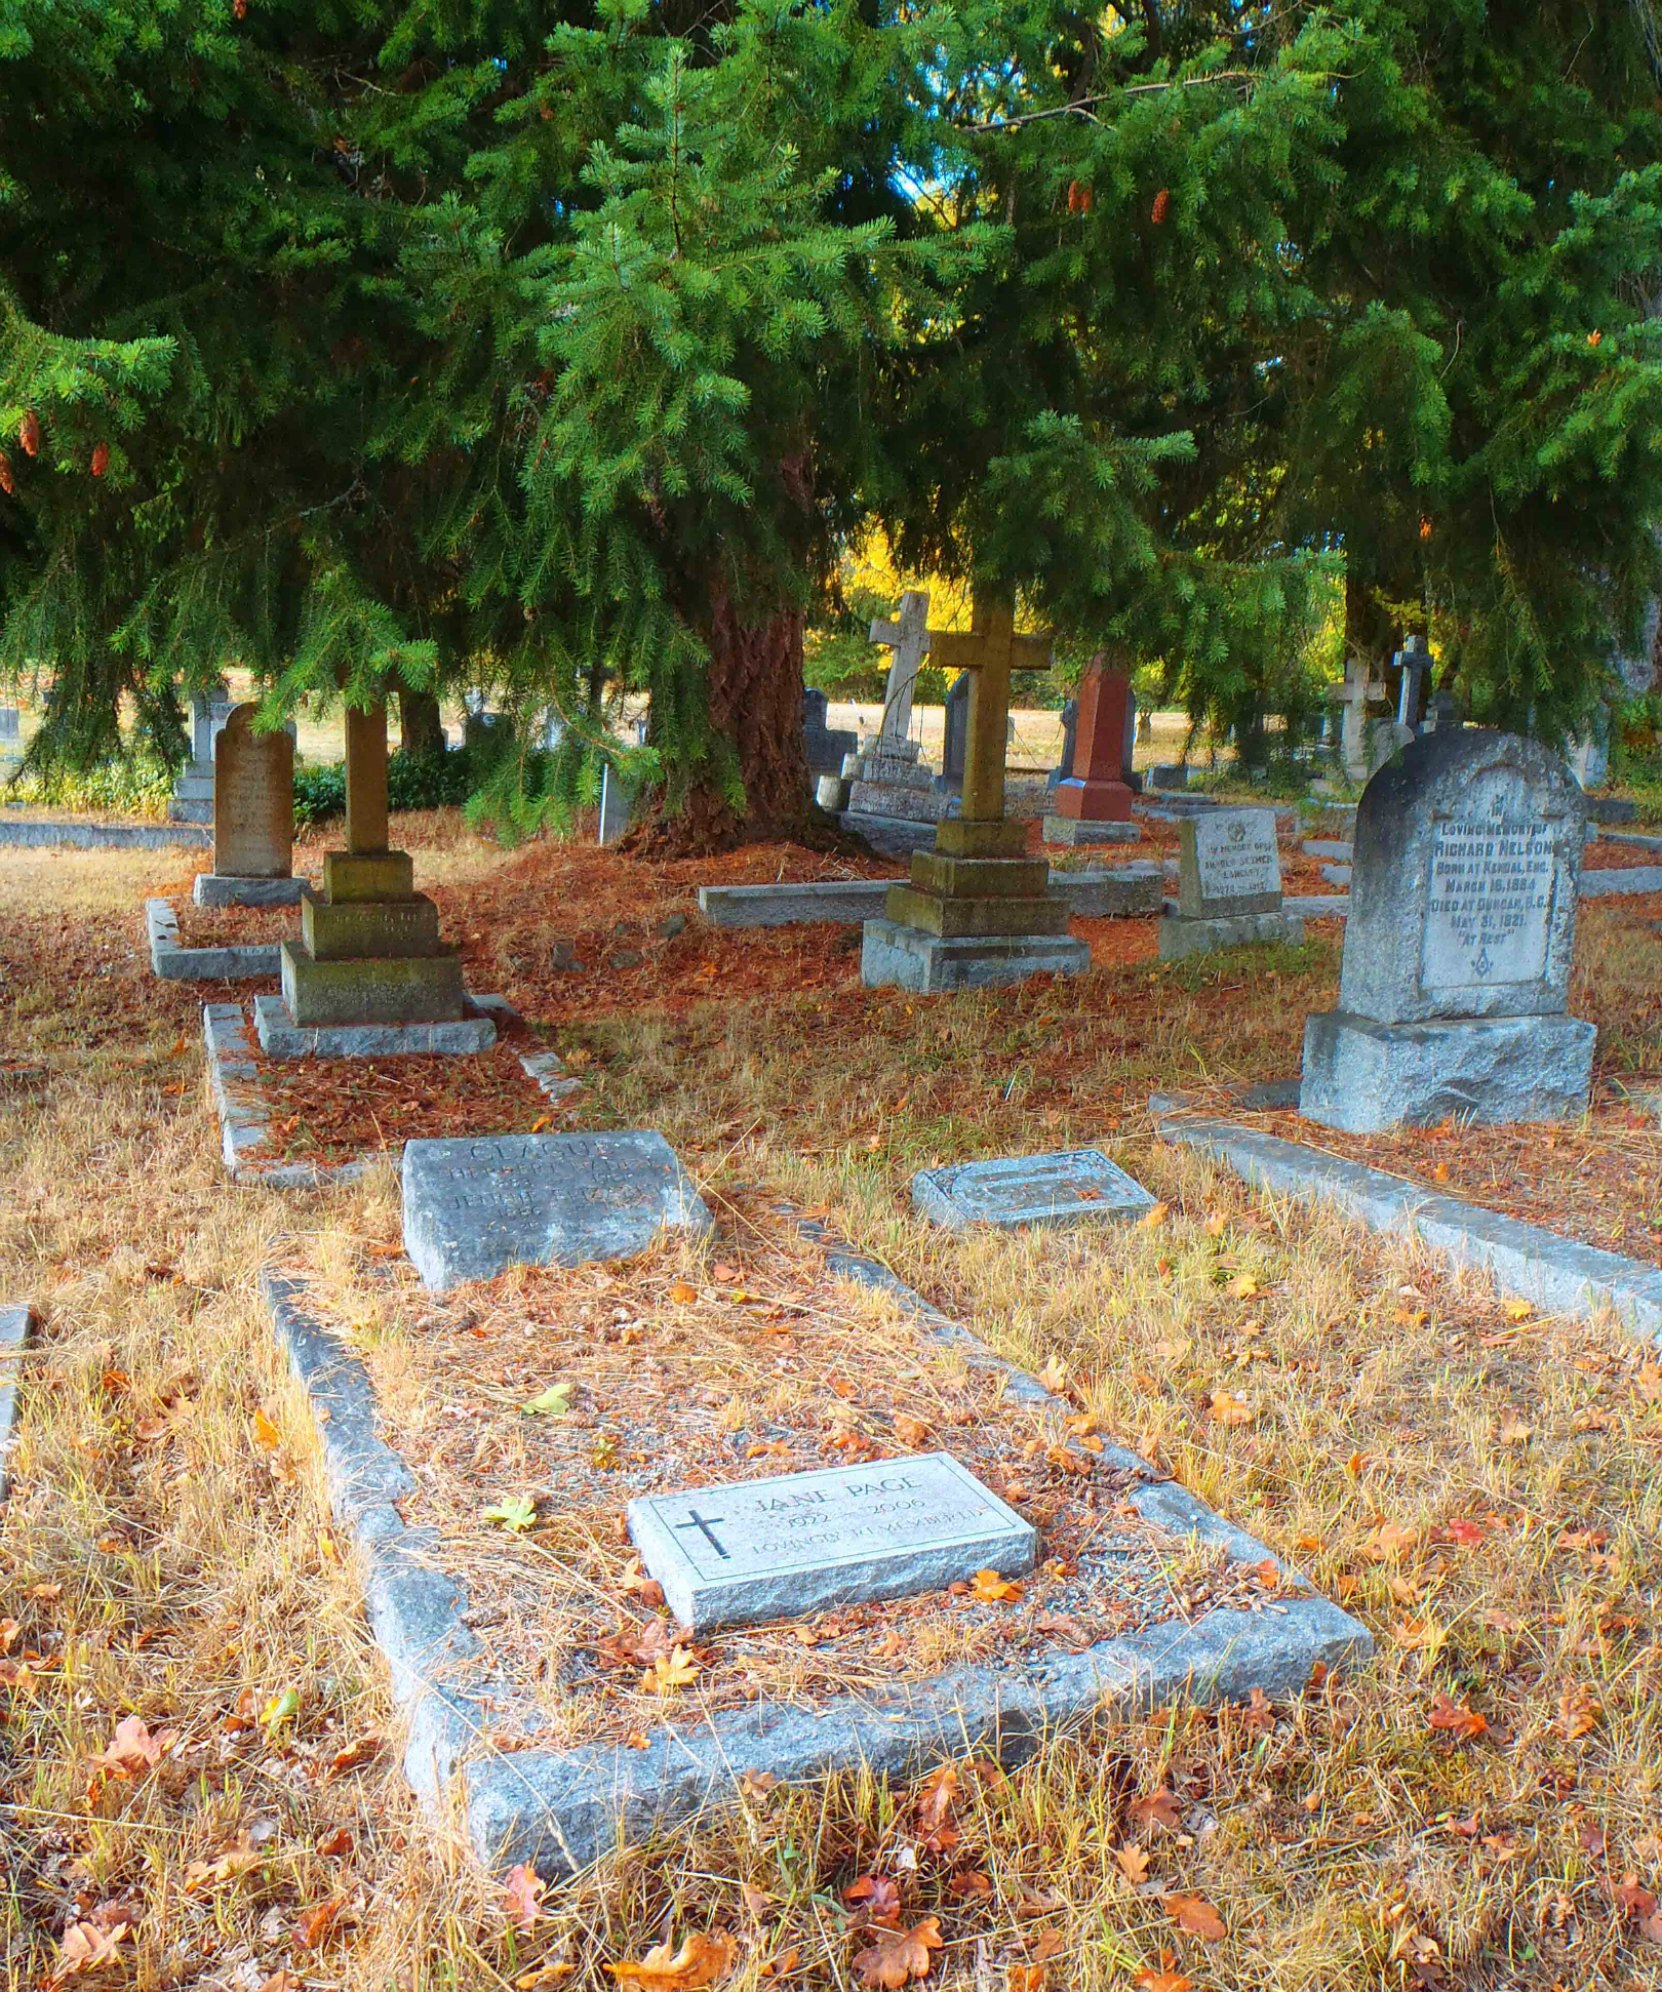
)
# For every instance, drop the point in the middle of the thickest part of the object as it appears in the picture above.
(420, 729)
(754, 691)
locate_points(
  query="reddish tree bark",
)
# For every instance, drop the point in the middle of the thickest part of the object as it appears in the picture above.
(754, 692)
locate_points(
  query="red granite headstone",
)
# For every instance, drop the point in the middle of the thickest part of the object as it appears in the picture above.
(1096, 791)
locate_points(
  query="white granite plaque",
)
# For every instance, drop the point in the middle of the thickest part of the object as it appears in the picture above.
(1489, 901)
(750, 1551)
(1229, 863)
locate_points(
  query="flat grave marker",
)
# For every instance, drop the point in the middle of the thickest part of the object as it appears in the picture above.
(748, 1552)
(474, 1208)
(1076, 1186)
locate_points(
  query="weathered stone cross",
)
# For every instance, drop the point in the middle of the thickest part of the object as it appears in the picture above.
(991, 652)
(908, 637)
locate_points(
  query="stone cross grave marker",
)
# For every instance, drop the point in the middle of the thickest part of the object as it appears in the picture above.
(369, 951)
(907, 635)
(1079, 1186)
(253, 800)
(1413, 661)
(752, 1551)
(474, 1208)
(977, 911)
(1228, 885)
(1454, 986)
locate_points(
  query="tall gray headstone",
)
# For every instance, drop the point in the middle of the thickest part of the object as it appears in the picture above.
(1455, 982)
(11, 737)
(825, 745)
(253, 800)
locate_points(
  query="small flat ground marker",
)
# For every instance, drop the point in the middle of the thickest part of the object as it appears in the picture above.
(1080, 1186)
(751, 1551)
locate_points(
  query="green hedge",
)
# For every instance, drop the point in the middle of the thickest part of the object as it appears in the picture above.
(429, 781)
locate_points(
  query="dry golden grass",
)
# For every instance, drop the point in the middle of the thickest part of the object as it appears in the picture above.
(1485, 1491)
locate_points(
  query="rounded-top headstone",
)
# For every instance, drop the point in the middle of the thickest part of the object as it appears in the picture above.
(1464, 882)
(253, 800)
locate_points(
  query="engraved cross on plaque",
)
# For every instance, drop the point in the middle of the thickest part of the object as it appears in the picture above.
(991, 652)
(908, 637)
(705, 1525)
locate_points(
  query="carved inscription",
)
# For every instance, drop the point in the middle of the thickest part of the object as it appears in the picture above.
(1489, 900)
(1237, 856)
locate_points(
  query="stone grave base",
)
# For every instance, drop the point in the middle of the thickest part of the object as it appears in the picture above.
(1080, 1186)
(220, 889)
(474, 1208)
(893, 836)
(1076, 830)
(1181, 935)
(907, 958)
(1364, 1076)
(562, 1808)
(176, 964)
(281, 1037)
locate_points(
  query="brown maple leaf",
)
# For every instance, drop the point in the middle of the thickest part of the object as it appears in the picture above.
(85, 1948)
(1132, 1861)
(899, 1956)
(1164, 1977)
(992, 1589)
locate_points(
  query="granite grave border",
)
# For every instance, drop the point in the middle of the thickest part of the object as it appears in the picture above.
(245, 1114)
(18, 1328)
(1561, 1275)
(40, 835)
(562, 1810)
(173, 963)
(1095, 893)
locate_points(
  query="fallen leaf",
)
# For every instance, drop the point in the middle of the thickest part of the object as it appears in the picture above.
(545, 1974)
(877, 1894)
(757, 1784)
(911, 1431)
(133, 1749)
(515, 1513)
(85, 1947)
(1054, 1377)
(361, 1750)
(266, 1434)
(1159, 1808)
(899, 1956)
(992, 1589)
(701, 1960)
(1196, 1915)
(1132, 1861)
(280, 1709)
(314, 1924)
(1163, 1980)
(1462, 1723)
(554, 1402)
(1518, 1310)
(1229, 1409)
(683, 1293)
(522, 1893)
(670, 1671)
(1244, 1287)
